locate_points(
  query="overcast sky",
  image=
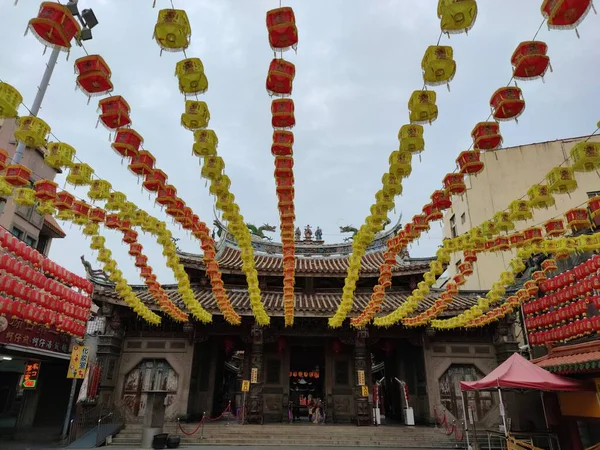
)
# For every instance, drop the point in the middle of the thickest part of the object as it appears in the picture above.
(356, 66)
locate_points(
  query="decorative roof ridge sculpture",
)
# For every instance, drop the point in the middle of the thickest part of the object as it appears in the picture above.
(305, 247)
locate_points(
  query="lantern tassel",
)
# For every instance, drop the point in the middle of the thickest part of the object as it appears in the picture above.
(577, 33)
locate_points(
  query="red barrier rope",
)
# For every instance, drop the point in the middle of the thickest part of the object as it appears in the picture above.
(450, 428)
(206, 419)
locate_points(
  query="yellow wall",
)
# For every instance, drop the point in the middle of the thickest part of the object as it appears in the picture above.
(579, 404)
(507, 176)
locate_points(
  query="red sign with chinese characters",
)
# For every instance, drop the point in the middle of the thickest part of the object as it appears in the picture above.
(32, 372)
(19, 332)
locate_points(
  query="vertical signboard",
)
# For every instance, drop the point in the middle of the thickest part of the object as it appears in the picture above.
(79, 361)
(254, 375)
(361, 377)
(32, 372)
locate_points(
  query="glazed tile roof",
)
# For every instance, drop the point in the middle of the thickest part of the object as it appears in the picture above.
(573, 358)
(307, 305)
(230, 260)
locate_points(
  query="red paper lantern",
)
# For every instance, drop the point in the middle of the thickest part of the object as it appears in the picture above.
(554, 227)
(135, 248)
(3, 159)
(54, 25)
(420, 223)
(530, 60)
(533, 234)
(281, 25)
(454, 183)
(155, 180)
(114, 112)
(64, 200)
(432, 213)
(176, 209)
(282, 143)
(282, 111)
(516, 239)
(486, 136)
(112, 221)
(565, 14)
(280, 77)
(17, 175)
(284, 166)
(469, 162)
(141, 261)
(93, 75)
(97, 215)
(142, 163)
(80, 208)
(45, 190)
(441, 199)
(578, 219)
(507, 103)
(130, 236)
(465, 268)
(127, 142)
(166, 195)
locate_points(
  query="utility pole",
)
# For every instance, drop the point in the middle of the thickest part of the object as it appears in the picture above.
(88, 21)
(39, 97)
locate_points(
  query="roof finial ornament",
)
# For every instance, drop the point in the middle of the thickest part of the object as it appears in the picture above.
(308, 234)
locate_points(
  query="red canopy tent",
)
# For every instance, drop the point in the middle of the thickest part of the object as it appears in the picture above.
(518, 373)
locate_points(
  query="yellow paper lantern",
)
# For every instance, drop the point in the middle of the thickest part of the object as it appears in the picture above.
(192, 79)
(561, 180)
(80, 174)
(6, 188)
(503, 221)
(59, 155)
(422, 107)
(172, 31)
(115, 201)
(31, 130)
(392, 185)
(519, 210)
(212, 167)
(457, 16)
(438, 65)
(206, 143)
(411, 138)
(585, 156)
(400, 163)
(540, 196)
(99, 190)
(24, 197)
(10, 100)
(196, 115)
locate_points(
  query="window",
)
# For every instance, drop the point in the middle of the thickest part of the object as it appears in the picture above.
(2, 204)
(463, 218)
(458, 263)
(18, 233)
(453, 226)
(42, 244)
(449, 383)
(593, 194)
(30, 241)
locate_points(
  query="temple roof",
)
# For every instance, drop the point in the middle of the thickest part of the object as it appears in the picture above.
(572, 358)
(307, 305)
(230, 260)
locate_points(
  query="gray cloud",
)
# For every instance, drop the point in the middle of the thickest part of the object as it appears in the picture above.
(357, 64)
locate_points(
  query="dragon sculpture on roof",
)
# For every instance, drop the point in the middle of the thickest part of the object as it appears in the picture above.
(353, 230)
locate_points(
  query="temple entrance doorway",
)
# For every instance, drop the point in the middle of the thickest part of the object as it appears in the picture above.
(306, 380)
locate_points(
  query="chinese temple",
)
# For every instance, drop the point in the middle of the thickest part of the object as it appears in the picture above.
(202, 366)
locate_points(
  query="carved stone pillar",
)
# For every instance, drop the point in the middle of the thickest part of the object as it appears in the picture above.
(505, 340)
(108, 354)
(361, 362)
(254, 407)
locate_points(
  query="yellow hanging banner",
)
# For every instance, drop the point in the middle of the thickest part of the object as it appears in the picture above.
(79, 361)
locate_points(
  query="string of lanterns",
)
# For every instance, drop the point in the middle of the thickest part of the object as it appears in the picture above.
(173, 32)
(529, 61)
(438, 68)
(39, 291)
(283, 34)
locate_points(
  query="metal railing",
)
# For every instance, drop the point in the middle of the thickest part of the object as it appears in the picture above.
(494, 440)
(85, 421)
(109, 425)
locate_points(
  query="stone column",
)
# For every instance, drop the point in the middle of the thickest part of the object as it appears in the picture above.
(254, 407)
(505, 340)
(361, 362)
(108, 354)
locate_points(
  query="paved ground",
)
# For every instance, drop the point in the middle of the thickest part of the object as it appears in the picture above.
(22, 446)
